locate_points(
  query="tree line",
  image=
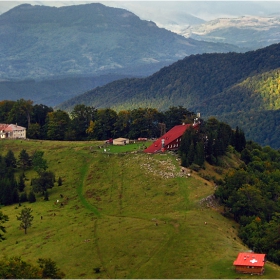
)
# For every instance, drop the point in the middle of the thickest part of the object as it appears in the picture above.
(89, 123)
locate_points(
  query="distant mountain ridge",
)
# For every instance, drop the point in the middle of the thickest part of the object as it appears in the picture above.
(251, 32)
(50, 92)
(90, 39)
(212, 84)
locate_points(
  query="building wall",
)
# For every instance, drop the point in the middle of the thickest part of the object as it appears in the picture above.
(120, 141)
(19, 134)
(250, 269)
(174, 145)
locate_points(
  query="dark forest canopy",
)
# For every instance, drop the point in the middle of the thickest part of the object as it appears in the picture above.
(89, 123)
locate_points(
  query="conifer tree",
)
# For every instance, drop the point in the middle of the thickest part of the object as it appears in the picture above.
(10, 160)
(46, 196)
(24, 160)
(21, 183)
(31, 197)
(3, 219)
(199, 156)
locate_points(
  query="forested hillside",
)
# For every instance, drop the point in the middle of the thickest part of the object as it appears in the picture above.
(250, 195)
(212, 84)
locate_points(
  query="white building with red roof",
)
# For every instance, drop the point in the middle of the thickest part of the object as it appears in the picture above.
(12, 131)
(250, 263)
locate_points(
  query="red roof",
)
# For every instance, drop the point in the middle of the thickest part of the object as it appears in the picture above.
(174, 133)
(3, 126)
(10, 127)
(250, 259)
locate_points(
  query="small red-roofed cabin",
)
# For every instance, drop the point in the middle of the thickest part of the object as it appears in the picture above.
(170, 141)
(250, 263)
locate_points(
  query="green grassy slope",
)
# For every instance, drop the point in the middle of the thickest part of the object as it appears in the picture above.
(130, 214)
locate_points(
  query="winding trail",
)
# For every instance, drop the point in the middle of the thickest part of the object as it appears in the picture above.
(86, 204)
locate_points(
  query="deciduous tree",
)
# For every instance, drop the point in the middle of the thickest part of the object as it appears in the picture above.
(26, 218)
(57, 125)
(21, 112)
(45, 181)
(49, 269)
(38, 162)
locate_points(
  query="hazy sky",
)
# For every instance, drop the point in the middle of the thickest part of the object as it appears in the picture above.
(152, 10)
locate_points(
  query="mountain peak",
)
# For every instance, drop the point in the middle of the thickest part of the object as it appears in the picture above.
(42, 41)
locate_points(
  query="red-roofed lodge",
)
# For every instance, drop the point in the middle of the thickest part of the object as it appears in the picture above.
(250, 263)
(170, 141)
(12, 131)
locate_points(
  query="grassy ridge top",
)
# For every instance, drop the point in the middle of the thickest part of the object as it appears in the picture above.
(130, 214)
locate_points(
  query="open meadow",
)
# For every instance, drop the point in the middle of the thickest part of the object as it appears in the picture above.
(123, 214)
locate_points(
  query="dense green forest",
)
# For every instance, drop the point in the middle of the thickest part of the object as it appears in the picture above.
(89, 123)
(214, 84)
(209, 142)
(262, 127)
(251, 194)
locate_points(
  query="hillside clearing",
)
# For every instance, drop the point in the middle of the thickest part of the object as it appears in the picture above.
(123, 215)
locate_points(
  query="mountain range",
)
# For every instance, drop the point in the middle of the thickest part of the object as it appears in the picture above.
(91, 39)
(240, 88)
(250, 32)
(42, 47)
